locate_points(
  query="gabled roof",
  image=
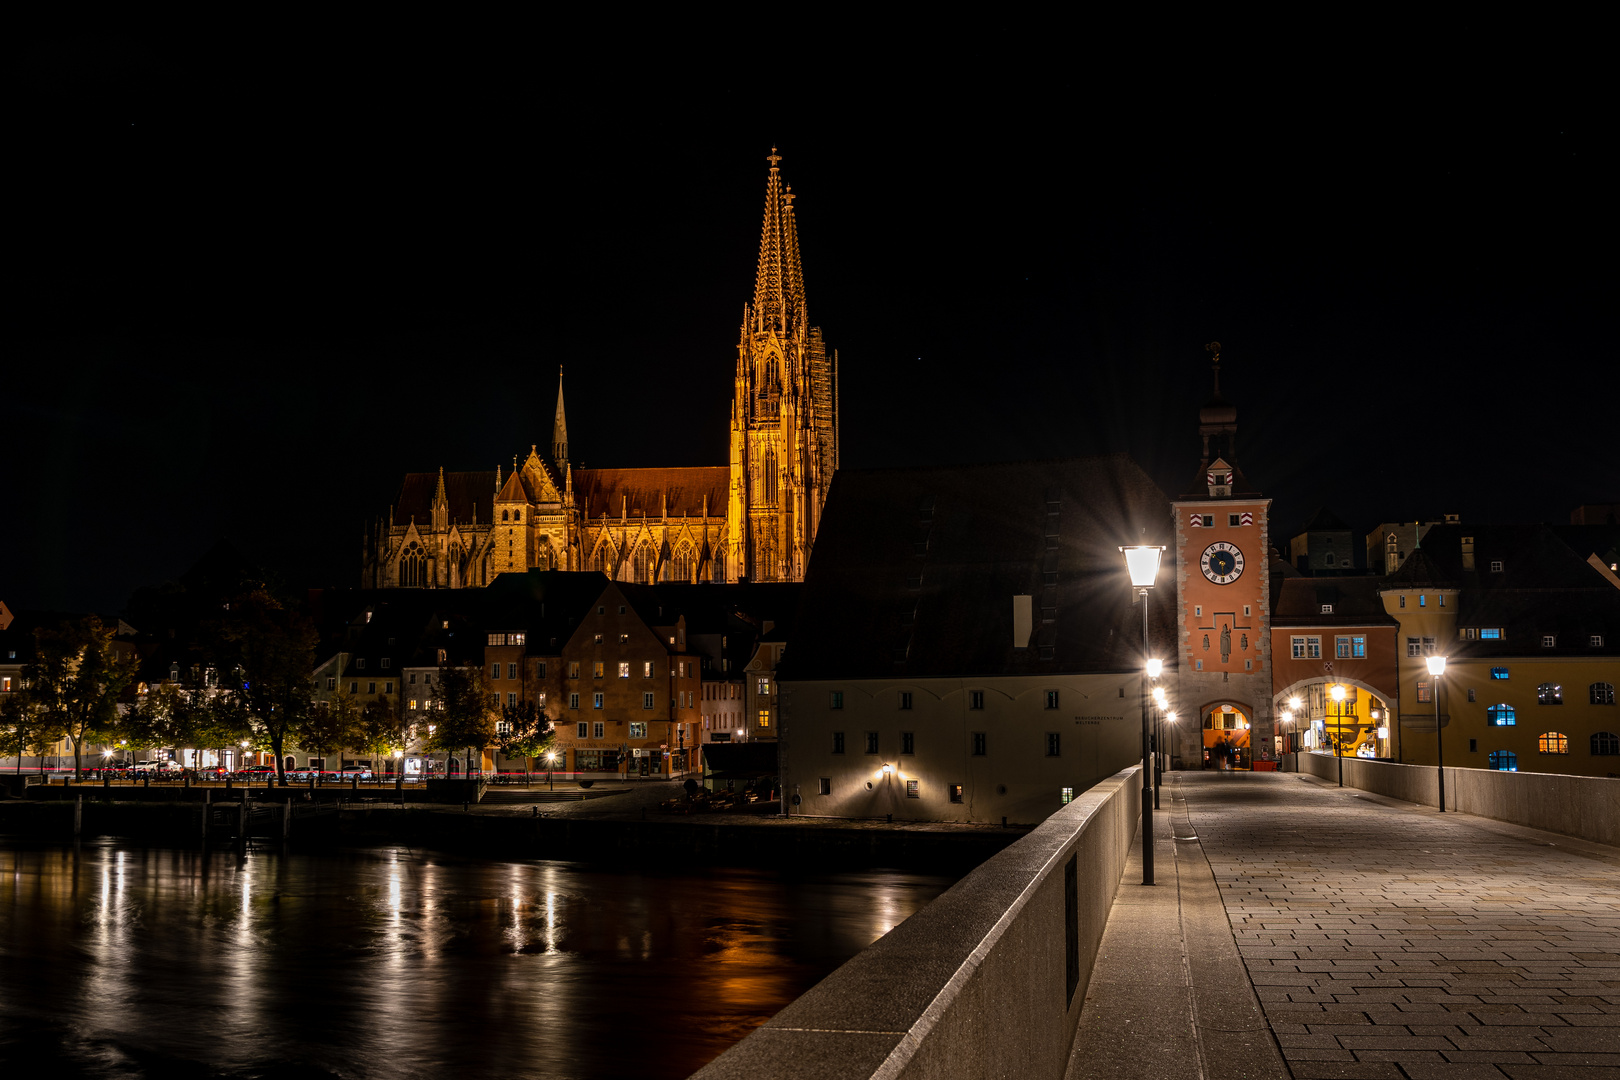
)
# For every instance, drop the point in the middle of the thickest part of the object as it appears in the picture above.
(1419, 571)
(514, 490)
(914, 571)
(1355, 601)
(470, 494)
(1325, 520)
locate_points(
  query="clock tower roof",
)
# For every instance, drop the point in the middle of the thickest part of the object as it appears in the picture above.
(1217, 476)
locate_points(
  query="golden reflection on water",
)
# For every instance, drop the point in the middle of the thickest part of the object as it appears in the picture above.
(401, 964)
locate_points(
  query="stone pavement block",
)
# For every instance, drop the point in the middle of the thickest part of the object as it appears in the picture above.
(1577, 1059)
(1453, 1071)
(1314, 1053)
(1346, 1070)
(1560, 1072)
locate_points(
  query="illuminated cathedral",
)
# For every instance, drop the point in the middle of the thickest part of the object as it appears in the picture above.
(754, 518)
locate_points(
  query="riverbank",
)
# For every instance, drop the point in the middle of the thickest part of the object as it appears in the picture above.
(616, 826)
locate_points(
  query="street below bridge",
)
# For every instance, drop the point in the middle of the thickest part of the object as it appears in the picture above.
(1301, 929)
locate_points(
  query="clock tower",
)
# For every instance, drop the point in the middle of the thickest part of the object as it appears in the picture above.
(1223, 603)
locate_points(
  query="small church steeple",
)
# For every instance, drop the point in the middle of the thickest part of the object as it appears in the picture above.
(559, 426)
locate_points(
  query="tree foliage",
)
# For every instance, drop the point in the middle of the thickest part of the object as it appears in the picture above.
(465, 717)
(525, 732)
(71, 689)
(264, 654)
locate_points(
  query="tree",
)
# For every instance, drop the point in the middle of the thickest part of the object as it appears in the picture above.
(263, 654)
(465, 718)
(173, 715)
(72, 688)
(329, 726)
(23, 730)
(381, 731)
(526, 732)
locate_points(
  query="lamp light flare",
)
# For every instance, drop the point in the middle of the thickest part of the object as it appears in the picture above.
(1154, 668)
(1159, 696)
(1337, 693)
(1437, 665)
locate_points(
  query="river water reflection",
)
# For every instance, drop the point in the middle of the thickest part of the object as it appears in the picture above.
(118, 961)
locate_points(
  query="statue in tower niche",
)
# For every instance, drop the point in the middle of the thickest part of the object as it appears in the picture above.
(754, 518)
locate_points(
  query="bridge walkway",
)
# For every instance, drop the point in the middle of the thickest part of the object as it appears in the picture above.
(1303, 930)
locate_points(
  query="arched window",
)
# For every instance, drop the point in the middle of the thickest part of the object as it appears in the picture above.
(1606, 744)
(1501, 716)
(1550, 694)
(1601, 693)
(773, 374)
(413, 567)
(506, 515)
(1504, 761)
(1552, 742)
(605, 560)
(641, 563)
(517, 515)
(770, 476)
(717, 566)
(682, 568)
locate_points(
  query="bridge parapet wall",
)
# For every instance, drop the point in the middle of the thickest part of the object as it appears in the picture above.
(1587, 807)
(987, 980)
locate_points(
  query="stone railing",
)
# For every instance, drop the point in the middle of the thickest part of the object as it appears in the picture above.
(987, 980)
(1583, 806)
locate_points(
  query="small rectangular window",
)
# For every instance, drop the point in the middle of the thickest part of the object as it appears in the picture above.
(1198, 609)
(511, 670)
(764, 688)
(1327, 609)
(905, 699)
(835, 699)
(956, 793)
(1549, 641)
(1066, 795)
(624, 669)
(1051, 699)
(573, 701)
(1313, 648)
(1198, 665)
(975, 699)
(646, 669)
(911, 790)
(1596, 641)
(824, 786)
(540, 670)
(978, 744)
(1414, 646)
(515, 639)
(511, 699)
(371, 688)
(1496, 566)
(871, 742)
(1231, 521)
(908, 742)
(598, 669)
(1490, 633)
(1341, 648)
(599, 729)
(1358, 646)
(1423, 601)
(1499, 672)
(1424, 693)
(1298, 648)
(583, 730)
(1473, 746)
(1471, 694)
(638, 729)
(764, 718)
(596, 700)
(838, 742)
(647, 700)
(1054, 743)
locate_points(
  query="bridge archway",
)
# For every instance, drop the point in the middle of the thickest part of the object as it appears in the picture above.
(1364, 724)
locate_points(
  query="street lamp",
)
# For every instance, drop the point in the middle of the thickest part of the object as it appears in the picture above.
(1142, 563)
(1160, 703)
(1437, 668)
(551, 766)
(1336, 692)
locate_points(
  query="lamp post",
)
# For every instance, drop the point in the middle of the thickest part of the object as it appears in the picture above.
(1336, 692)
(1437, 668)
(1142, 563)
(551, 766)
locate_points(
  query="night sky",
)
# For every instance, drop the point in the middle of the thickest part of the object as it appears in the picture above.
(250, 289)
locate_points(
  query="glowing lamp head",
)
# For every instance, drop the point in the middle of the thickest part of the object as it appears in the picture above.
(1159, 697)
(1285, 716)
(887, 768)
(1142, 562)
(1337, 693)
(399, 753)
(1154, 668)
(1383, 733)
(1437, 665)
(244, 744)
(1169, 717)
(1294, 703)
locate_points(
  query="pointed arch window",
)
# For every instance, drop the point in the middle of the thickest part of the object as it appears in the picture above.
(506, 515)
(517, 515)
(681, 570)
(413, 567)
(770, 476)
(642, 563)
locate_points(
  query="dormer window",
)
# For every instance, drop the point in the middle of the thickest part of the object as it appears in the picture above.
(1496, 566)
(1327, 609)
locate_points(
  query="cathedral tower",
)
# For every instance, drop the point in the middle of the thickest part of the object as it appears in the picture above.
(784, 414)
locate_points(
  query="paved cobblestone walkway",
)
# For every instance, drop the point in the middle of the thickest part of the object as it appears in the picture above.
(1390, 941)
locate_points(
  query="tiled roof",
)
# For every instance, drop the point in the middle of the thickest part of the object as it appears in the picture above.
(612, 491)
(469, 493)
(914, 571)
(1355, 601)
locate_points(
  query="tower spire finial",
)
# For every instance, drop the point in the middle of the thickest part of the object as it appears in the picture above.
(559, 425)
(1214, 350)
(773, 157)
(779, 283)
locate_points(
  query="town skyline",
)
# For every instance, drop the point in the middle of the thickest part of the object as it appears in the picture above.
(258, 357)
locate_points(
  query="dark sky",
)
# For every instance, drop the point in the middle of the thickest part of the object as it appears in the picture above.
(250, 288)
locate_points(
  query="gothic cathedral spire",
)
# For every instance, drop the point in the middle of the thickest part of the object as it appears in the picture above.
(559, 426)
(784, 423)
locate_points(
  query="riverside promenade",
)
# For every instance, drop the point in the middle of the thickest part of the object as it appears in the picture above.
(1303, 930)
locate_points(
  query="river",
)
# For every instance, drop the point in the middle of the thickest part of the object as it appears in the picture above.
(118, 961)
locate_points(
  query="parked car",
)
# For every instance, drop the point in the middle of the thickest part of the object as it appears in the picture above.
(354, 772)
(256, 772)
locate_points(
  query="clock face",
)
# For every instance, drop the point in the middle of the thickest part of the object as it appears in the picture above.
(1222, 563)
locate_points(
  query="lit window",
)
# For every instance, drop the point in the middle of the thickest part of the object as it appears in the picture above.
(1600, 693)
(956, 793)
(1549, 694)
(1500, 716)
(624, 669)
(638, 729)
(597, 670)
(573, 669)
(1504, 761)
(1490, 633)
(596, 700)
(1341, 648)
(515, 639)
(764, 688)
(1499, 673)
(1552, 742)
(764, 718)
(646, 669)
(1423, 601)
(1424, 692)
